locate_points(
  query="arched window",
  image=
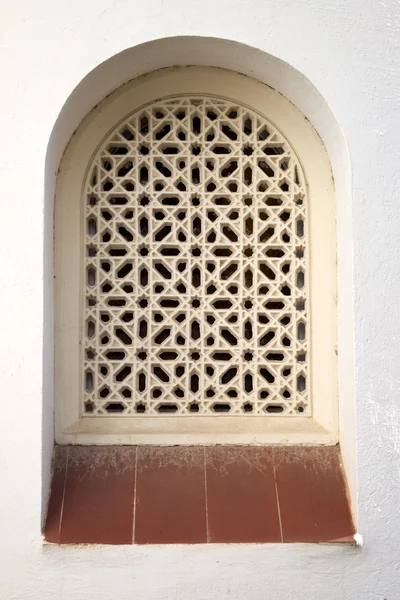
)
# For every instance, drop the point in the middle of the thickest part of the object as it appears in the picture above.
(195, 248)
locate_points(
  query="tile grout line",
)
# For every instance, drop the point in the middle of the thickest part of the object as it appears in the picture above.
(205, 491)
(134, 498)
(277, 495)
(63, 496)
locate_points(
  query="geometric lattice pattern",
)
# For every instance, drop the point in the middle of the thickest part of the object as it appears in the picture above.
(195, 266)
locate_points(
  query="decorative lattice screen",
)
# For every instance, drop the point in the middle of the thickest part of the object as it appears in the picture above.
(195, 266)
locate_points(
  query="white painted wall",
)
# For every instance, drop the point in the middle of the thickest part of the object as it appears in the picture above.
(350, 51)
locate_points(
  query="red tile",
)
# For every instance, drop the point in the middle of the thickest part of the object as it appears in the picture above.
(92, 495)
(99, 495)
(241, 495)
(52, 528)
(312, 494)
(170, 495)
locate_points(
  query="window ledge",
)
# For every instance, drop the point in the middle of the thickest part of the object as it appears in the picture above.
(198, 494)
(220, 429)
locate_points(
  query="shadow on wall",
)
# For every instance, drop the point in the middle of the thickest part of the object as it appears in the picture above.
(253, 62)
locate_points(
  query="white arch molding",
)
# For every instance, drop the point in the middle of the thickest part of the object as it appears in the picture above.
(84, 343)
(133, 62)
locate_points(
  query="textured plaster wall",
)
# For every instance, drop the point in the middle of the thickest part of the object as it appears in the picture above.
(350, 52)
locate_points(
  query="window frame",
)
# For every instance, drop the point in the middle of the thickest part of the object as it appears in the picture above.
(71, 426)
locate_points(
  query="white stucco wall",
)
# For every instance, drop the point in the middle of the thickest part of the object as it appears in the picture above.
(349, 50)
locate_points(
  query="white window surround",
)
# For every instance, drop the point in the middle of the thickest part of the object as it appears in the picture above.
(321, 425)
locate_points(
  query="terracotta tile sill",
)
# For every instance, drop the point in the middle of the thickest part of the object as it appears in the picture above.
(191, 495)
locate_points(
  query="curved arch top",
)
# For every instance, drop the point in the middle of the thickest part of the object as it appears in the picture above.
(198, 51)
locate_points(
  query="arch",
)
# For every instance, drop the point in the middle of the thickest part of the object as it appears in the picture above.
(267, 69)
(293, 203)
